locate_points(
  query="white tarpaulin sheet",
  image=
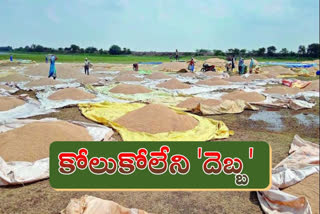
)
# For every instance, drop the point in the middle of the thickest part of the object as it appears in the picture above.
(31, 108)
(51, 104)
(20, 172)
(302, 162)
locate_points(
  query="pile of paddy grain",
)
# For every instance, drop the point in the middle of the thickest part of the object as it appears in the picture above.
(130, 89)
(278, 70)
(216, 62)
(309, 188)
(282, 90)
(156, 118)
(172, 66)
(242, 95)
(236, 79)
(37, 70)
(31, 142)
(213, 82)
(14, 78)
(87, 79)
(158, 75)
(314, 86)
(257, 77)
(173, 84)
(193, 102)
(127, 77)
(71, 94)
(43, 82)
(8, 103)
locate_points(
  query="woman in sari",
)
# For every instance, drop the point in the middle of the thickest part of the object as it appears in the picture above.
(52, 71)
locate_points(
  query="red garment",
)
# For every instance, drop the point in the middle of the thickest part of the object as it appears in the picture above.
(191, 62)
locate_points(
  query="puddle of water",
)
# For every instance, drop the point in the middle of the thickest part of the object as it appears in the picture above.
(272, 118)
(307, 120)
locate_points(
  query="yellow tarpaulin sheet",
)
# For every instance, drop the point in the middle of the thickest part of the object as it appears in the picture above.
(106, 113)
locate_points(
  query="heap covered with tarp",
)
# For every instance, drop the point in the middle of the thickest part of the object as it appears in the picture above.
(154, 122)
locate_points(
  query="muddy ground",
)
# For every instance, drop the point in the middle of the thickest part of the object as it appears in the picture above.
(278, 130)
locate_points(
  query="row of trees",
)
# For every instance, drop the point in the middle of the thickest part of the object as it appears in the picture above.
(313, 50)
(73, 49)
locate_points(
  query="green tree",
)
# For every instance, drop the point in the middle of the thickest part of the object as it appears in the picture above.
(302, 50)
(261, 51)
(115, 50)
(74, 48)
(314, 50)
(271, 50)
(91, 50)
(243, 52)
(284, 52)
(218, 53)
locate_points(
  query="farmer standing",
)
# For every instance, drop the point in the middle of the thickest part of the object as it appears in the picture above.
(11, 58)
(233, 63)
(241, 66)
(87, 65)
(52, 71)
(252, 65)
(47, 59)
(177, 55)
(191, 65)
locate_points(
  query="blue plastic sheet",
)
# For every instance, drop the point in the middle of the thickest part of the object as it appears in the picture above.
(290, 64)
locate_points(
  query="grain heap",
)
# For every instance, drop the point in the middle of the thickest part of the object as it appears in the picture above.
(172, 66)
(130, 89)
(14, 78)
(213, 82)
(193, 102)
(282, 90)
(43, 82)
(158, 75)
(71, 94)
(8, 103)
(156, 118)
(216, 61)
(127, 77)
(236, 79)
(309, 187)
(278, 70)
(31, 142)
(246, 96)
(173, 84)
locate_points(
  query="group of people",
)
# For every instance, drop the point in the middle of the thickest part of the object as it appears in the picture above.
(242, 68)
(53, 71)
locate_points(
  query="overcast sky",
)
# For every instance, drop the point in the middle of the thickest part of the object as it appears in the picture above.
(160, 25)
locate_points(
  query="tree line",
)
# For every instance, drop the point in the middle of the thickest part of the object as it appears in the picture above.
(73, 49)
(312, 51)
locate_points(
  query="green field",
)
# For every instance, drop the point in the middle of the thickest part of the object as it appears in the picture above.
(40, 57)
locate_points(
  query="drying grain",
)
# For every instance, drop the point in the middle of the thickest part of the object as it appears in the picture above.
(156, 118)
(71, 94)
(173, 84)
(8, 103)
(130, 89)
(242, 95)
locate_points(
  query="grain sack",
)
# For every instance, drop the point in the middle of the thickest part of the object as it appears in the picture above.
(71, 94)
(31, 142)
(282, 90)
(309, 188)
(213, 82)
(130, 89)
(193, 102)
(127, 77)
(158, 75)
(7, 103)
(15, 78)
(173, 84)
(156, 118)
(236, 79)
(172, 67)
(43, 82)
(246, 96)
